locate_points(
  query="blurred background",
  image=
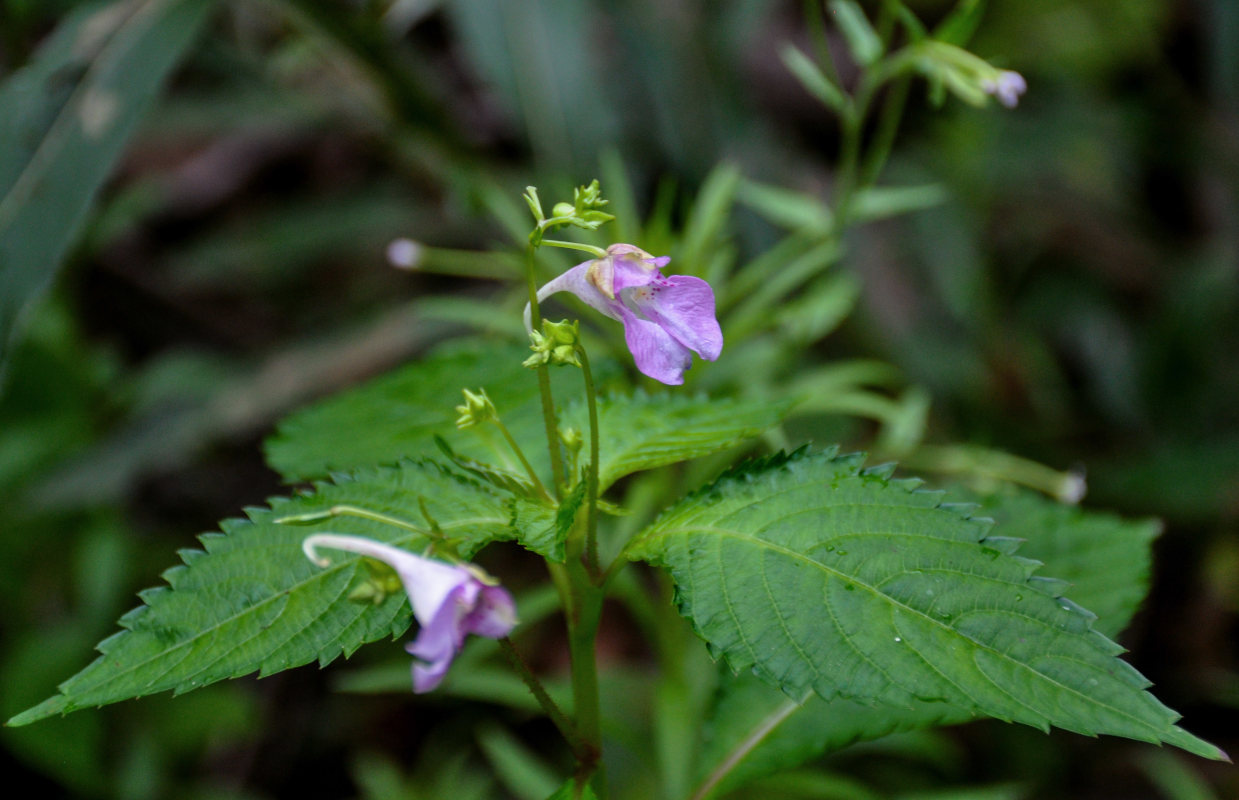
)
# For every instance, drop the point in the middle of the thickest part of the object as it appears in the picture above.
(1073, 299)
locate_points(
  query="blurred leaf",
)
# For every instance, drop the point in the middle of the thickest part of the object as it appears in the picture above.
(755, 730)
(943, 612)
(788, 208)
(1176, 780)
(708, 218)
(66, 120)
(863, 41)
(251, 601)
(813, 79)
(521, 771)
(881, 202)
(961, 23)
(569, 792)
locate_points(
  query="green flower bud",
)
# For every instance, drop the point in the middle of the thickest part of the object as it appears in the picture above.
(572, 439)
(477, 409)
(556, 344)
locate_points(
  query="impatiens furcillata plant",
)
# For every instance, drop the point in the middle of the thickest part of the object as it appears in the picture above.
(840, 601)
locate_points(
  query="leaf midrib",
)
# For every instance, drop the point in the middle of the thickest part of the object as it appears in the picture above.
(321, 575)
(739, 536)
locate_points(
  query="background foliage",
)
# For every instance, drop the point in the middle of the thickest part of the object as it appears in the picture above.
(1070, 299)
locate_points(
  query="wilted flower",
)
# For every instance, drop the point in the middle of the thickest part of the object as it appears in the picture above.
(450, 601)
(666, 319)
(1007, 87)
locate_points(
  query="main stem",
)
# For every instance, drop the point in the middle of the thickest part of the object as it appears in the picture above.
(591, 479)
(583, 618)
(544, 378)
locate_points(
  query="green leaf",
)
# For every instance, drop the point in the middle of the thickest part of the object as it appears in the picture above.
(250, 601)
(64, 122)
(755, 730)
(961, 23)
(543, 528)
(641, 432)
(396, 415)
(818, 575)
(813, 79)
(1105, 557)
(863, 41)
(572, 791)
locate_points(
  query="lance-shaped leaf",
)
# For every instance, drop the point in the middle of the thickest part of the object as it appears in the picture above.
(65, 120)
(250, 601)
(755, 730)
(818, 575)
(641, 432)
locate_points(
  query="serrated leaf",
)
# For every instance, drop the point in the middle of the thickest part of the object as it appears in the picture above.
(396, 415)
(641, 432)
(818, 575)
(65, 121)
(250, 601)
(504, 479)
(1103, 559)
(542, 527)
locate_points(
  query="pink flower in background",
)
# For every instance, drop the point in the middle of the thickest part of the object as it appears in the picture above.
(666, 319)
(450, 601)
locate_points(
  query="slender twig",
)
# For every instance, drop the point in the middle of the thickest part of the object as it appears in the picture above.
(520, 454)
(565, 725)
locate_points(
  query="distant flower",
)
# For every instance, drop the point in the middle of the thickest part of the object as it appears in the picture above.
(1007, 87)
(450, 601)
(666, 319)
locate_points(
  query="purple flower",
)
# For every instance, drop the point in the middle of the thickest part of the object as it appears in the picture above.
(1007, 87)
(450, 601)
(666, 319)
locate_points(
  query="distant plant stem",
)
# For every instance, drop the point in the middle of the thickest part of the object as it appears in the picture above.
(544, 378)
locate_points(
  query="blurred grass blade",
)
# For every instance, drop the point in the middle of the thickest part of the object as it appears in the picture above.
(66, 119)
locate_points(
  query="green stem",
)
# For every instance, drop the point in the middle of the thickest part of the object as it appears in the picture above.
(544, 378)
(888, 127)
(520, 454)
(583, 619)
(596, 252)
(352, 511)
(591, 479)
(561, 720)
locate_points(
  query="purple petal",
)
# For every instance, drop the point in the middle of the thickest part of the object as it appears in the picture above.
(440, 638)
(683, 306)
(630, 271)
(655, 351)
(575, 281)
(493, 616)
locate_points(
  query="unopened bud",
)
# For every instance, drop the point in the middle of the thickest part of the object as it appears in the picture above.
(477, 409)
